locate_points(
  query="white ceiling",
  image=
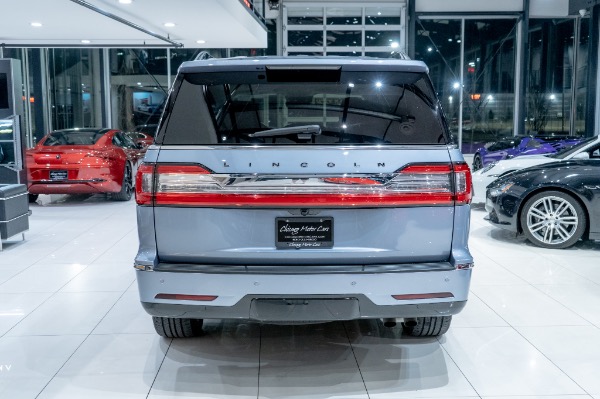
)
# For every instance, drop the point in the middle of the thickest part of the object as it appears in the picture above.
(221, 23)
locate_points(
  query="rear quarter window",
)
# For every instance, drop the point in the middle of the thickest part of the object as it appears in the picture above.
(81, 137)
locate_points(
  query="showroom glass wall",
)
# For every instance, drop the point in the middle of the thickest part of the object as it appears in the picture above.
(557, 89)
(344, 29)
(473, 65)
(482, 94)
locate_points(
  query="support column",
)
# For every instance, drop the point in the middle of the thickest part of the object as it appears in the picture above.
(106, 92)
(412, 29)
(522, 81)
(38, 72)
(574, 76)
(591, 115)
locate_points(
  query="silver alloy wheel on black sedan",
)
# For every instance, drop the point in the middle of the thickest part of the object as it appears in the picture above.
(553, 219)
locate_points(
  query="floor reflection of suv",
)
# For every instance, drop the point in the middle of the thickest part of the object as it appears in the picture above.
(297, 189)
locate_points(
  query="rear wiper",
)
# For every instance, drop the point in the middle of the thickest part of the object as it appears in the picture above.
(303, 132)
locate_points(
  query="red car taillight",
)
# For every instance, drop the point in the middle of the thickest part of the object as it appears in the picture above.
(194, 185)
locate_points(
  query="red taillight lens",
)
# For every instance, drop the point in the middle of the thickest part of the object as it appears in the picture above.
(144, 184)
(195, 185)
(428, 169)
(463, 183)
(351, 180)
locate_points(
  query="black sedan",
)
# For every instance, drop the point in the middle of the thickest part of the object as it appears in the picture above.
(554, 204)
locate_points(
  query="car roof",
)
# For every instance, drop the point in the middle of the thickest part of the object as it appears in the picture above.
(346, 63)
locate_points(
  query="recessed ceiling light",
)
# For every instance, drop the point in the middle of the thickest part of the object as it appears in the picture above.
(169, 24)
(36, 24)
(85, 41)
(125, 1)
(200, 41)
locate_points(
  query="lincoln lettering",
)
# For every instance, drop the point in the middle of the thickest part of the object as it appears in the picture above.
(306, 164)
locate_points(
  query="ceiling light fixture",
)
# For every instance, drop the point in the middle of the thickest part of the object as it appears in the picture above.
(36, 24)
(85, 41)
(125, 1)
(169, 24)
(200, 41)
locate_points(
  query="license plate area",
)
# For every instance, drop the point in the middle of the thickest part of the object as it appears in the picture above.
(57, 175)
(304, 310)
(304, 233)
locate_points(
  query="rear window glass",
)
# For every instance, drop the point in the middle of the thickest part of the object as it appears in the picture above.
(80, 137)
(348, 107)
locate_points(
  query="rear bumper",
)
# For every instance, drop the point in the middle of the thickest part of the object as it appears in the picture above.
(304, 309)
(74, 187)
(304, 297)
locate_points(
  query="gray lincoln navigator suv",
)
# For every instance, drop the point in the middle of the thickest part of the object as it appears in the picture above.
(303, 189)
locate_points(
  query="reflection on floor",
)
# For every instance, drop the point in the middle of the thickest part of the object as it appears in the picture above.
(71, 327)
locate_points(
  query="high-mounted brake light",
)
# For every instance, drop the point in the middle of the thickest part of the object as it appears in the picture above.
(195, 185)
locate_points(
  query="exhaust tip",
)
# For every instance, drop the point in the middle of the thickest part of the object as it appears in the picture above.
(410, 323)
(389, 323)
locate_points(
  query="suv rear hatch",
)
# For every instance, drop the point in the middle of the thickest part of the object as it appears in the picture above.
(331, 163)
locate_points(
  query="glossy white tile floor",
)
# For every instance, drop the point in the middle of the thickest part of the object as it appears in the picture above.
(71, 327)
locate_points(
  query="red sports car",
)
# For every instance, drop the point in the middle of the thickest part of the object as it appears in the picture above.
(84, 161)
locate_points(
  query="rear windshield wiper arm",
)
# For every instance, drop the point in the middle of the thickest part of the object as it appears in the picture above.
(305, 131)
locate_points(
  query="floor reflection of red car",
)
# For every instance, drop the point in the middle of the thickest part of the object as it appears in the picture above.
(84, 161)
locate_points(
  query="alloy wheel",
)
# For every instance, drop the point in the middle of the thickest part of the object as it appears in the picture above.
(128, 181)
(552, 220)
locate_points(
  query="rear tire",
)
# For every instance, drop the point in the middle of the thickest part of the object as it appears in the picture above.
(126, 187)
(428, 326)
(477, 162)
(177, 328)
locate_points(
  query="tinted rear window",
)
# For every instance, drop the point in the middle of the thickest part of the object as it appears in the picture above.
(81, 137)
(350, 108)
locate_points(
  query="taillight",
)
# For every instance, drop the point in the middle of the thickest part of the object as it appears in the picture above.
(144, 185)
(463, 183)
(195, 185)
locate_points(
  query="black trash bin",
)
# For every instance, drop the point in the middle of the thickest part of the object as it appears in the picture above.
(14, 210)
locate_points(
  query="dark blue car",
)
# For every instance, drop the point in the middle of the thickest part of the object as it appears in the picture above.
(515, 146)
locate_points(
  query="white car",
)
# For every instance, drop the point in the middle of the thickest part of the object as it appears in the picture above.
(588, 148)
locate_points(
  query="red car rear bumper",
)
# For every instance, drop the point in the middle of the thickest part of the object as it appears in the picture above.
(73, 187)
